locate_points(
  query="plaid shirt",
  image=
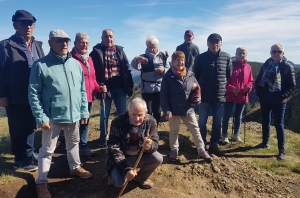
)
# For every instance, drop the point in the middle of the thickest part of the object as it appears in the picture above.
(119, 137)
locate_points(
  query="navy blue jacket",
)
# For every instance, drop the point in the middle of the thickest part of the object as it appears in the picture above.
(14, 71)
(174, 93)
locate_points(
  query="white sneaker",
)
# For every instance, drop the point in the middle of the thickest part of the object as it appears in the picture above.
(237, 138)
(225, 140)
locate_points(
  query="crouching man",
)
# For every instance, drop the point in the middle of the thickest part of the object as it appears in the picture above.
(128, 135)
(58, 101)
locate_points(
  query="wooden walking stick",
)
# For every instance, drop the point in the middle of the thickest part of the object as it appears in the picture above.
(136, 162)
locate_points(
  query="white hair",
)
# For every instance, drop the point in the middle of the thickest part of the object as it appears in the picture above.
(152, 39)
(280, 46)
(241, 48)
(135, 101)
(81, 35)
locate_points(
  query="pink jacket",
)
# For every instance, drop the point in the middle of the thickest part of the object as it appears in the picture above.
(241, 77)
(91, 84)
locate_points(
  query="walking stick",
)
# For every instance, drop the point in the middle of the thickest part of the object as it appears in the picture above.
(245, 117)
(104, 114)
(136, 162)
(233, 120)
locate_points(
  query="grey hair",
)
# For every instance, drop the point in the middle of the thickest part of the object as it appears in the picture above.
(152, 39)
(278, 45)
(81, 35)
(241, 48)
(104, 31)
(135, 101)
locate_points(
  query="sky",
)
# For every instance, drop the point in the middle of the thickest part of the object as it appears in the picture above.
(256, 24)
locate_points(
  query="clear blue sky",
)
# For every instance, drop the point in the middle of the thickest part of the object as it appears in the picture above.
(254, 24)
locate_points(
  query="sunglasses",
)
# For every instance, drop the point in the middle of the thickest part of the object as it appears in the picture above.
(26, 23)
(276, 51)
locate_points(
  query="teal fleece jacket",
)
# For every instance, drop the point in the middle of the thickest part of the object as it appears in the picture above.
(56, 90)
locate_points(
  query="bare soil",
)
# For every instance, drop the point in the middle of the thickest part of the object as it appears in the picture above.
(230, 176)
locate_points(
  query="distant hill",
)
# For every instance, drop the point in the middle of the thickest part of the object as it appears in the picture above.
(294, 65)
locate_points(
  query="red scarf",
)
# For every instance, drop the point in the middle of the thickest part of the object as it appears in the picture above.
(180, 73)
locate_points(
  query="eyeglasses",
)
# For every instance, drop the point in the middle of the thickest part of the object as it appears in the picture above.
(83, 43)
(62, 41)
(276, 51)
(26, 23)
(214, 41)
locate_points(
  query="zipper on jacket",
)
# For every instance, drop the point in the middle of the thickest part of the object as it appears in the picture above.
(73, 78)
(69, 90)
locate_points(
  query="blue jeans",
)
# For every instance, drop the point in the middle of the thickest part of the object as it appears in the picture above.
(217, 113)
(232, 109)
(84, 130)
(119, 97)
(278, 112)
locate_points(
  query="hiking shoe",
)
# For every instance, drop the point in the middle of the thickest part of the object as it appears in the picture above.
(237, 138)
(281, 155)
(80, 172)
(147, 184)
(204, 155)
(173, 155)
(262, 145)
(26, 164)
(101, 143)
(214, 149)
(225, 140)
(43, 191)
(86, 152)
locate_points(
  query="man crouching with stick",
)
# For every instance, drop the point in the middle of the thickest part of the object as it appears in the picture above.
(130, 134)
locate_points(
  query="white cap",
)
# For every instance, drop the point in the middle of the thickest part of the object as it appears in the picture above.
(58, 34)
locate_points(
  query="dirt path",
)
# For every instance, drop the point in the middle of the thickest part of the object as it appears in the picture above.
(230, 176)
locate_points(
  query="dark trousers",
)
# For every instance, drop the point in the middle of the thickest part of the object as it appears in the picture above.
(278, 112)
(153, 104)
(22, 126)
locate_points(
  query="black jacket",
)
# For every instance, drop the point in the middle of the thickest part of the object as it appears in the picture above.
(14, 71)
(213, 72)
(190, 51)
(119, 137)
(125, 73)
(174, 94)
(288, 83)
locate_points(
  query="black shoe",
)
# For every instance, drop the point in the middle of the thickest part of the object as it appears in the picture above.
(281, 155)
(262, 145)
(86, 152)
(214, 149)
(101, 143)
(26, 164)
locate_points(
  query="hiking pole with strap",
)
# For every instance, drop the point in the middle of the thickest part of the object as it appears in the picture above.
(233, 120)
(245, 117)
(104, 116)
(137, 162)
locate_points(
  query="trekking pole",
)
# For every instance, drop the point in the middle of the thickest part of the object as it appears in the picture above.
(137, 162)
(233, 120)
(245, 117)
(104, 115)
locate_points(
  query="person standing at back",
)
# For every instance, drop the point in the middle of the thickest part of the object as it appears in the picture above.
(112, 69)
(212, 69)
(189, 49)
(17, 55)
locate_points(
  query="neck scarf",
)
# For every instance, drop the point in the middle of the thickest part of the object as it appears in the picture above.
(84, 58)
(272, 76)
(111, 63)
(180, 73)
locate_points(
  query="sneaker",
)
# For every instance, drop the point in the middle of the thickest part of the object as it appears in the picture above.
(173, 155)
(214, 149)
(80, 172)
(225, 140)
(281, 155)
(237, 138)
(147, 184)
(262, 145)
(204, 155)
(26, 164)
(86, 152)
(43, 191)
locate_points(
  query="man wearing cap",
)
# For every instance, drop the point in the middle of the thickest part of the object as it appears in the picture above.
(212, 69)
(17, 55)
(58, 102)
(189, 49)
(112, 69)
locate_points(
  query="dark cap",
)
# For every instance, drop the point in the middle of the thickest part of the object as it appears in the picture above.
(22, 15)
(190, 32)
(214, 36)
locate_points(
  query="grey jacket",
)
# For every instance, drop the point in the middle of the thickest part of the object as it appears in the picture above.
(151, 80)
(174, 94)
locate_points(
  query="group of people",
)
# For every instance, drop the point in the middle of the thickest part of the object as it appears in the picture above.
(55, 92)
